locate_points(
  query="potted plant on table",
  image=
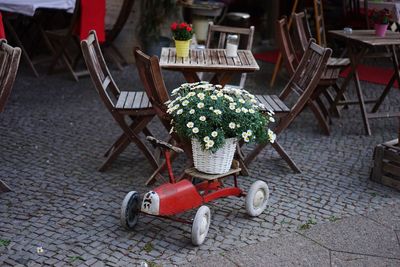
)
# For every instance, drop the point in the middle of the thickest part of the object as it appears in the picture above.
(182, 34)
(215, 119)
(381, 19)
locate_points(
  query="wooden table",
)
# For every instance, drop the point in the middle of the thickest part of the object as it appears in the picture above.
(359, 43)
(208, 60)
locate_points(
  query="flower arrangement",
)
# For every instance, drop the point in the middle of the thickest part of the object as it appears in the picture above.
(382, 16)
(181, 31)
(211, 114)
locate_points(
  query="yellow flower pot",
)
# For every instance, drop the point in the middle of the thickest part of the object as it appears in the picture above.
(182, 48)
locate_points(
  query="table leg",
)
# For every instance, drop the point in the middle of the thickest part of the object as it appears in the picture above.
(360, 96)
(14, 36)
(191, 76)
(389, 86)
(355, 59)
(221, 78)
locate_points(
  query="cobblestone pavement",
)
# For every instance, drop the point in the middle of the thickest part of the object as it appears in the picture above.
(53, 134)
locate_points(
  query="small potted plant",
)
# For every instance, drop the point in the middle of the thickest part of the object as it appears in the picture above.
(182, 34)
(215, 119)
(381, 19)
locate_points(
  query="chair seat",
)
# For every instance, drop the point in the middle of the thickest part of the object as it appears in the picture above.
(274, 103)
(133, 101)
(338, 62)
(330, 75)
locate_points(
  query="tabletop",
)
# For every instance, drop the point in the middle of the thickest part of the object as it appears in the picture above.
(28, 7)
(208, 60)
(368, 37)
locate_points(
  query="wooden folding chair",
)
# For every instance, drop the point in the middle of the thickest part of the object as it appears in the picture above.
(291, 59)
(150, 74)
(246, 36)
(304, 83)
(123, 105)
(58, 41)
(9, 62)
(303, 35)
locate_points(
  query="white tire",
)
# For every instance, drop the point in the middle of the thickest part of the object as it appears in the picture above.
(257, 198)
(130, 210)
(200, 226)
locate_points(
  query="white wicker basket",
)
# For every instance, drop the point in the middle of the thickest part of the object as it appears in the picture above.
(214, 163)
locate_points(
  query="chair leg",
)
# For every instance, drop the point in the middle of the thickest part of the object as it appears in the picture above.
(253, 154)
(135, 128)
(323, 109)
(114, 152)
(285, 156)
(4, 187)
(319, 116)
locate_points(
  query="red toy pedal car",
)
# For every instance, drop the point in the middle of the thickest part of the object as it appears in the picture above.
(176, 197)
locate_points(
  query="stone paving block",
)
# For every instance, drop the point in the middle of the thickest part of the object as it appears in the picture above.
(353, 233)
(53, 142)
(340, 259)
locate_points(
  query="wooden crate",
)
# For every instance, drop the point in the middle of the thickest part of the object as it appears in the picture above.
(386, 168)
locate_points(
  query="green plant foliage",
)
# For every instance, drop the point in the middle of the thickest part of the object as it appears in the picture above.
(153, 14)
(212, 114)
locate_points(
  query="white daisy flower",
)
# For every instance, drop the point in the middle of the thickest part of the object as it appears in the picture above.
(232, 107)
(246, 139)
(195, 130)
(192, 111)
(271, 136)
(200, 96)
(249, 132)
(179, 112)
(214, 134)
(210, 143)
(190, 94)
(202, 118)
(244, 134)
(245, 110)
(232, 125)
(213, 97)
(190, 124)
(211, 108)
(200, 105)
(206, 139)
(251, 111)
(218, 112)
(242, 101)
(238, 110)
(220, 94)
(185, 103)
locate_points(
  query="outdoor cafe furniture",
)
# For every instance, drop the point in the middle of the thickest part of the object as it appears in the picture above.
(28, 8)
(86, 15)
(292, 59)
(304, 82)
(124, 106)
(222, 33)
(209, 60)
(8, 70)
(359, 43)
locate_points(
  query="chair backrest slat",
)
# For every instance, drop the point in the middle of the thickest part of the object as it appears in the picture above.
(286, 46)
(302, 29)
(8, 70)
(101, 77)
(305, 80)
